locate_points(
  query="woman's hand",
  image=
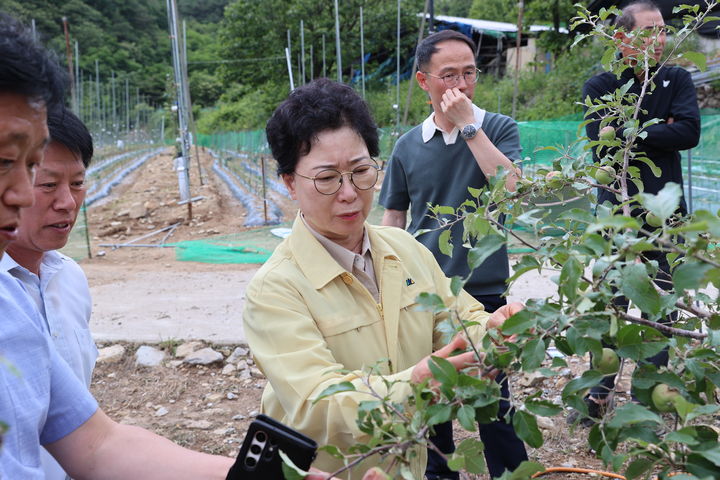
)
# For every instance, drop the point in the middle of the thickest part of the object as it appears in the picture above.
(422, 370)
(498, 317)
(372, 474)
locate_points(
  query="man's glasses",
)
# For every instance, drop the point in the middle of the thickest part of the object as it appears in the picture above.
(451, 80)
(328, 182)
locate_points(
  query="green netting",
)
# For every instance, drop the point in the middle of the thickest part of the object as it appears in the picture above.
(77, 246)
(252, 246)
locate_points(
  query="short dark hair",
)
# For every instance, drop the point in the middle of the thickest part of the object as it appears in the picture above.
(26, 67)
(428, 47)
(626, 20)
(313, 108)
(68, 130)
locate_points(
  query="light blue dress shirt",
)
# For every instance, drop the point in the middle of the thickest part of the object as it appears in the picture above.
(62, 296)
(41, 400)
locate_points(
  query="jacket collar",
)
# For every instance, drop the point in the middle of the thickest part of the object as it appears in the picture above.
(318, 265)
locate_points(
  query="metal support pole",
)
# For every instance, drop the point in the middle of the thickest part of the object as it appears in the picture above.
(411, 84)
(289, 67)
(397, 74)
(68, 51)
(182, 167)
(690, 188)
(518, 42)
(362, 53)
(302, 51)
(338, 52)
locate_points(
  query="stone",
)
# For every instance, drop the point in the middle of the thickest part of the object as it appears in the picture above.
(255, 372)
(111, 354)
(237, 355)
(545, 423)
(204, 356)
(174, 363)
(231, 396)
(148, 356)
(161, 412)
(228, 369)
(198, 424)
(187, 348)
(137, 211)
(214, 397)
(533, 379)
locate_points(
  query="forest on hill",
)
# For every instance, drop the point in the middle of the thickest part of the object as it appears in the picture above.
(235, 48)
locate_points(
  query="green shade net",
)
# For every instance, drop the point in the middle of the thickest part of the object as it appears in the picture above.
(251, 246)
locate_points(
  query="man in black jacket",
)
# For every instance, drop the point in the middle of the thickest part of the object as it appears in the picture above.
(674, 102)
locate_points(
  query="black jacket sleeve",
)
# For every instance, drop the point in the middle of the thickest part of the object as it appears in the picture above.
(684, 132)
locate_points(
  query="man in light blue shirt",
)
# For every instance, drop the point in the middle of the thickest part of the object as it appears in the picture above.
(57, 284)
(41, 401)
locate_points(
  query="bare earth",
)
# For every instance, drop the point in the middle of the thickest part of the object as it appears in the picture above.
(145, 296)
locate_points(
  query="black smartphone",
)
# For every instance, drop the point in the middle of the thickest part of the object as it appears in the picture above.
(259, 457)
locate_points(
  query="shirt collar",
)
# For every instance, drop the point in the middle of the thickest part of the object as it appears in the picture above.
(50, 263)
(429, 127)
(340, 254)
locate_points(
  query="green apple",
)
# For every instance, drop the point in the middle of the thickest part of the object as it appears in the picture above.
(653, 220)
(607, 133)
(605, 174)
(664, 397)
(607, 363)
(554, 179)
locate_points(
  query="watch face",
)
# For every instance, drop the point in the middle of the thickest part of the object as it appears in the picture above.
(469, 131)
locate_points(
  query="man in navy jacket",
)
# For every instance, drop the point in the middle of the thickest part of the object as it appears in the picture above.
(672, 100)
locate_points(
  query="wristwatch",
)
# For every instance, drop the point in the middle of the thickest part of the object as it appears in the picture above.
(469, 131)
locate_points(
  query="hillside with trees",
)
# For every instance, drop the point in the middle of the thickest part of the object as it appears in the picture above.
(236, 53)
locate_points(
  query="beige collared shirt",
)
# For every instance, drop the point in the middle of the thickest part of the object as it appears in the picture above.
(360, 265)
(429, 127)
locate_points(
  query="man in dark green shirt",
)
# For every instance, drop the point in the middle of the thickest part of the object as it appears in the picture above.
(458, 146)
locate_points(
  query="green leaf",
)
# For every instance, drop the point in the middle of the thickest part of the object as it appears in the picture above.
(637, 467)
(638, 342)
(439, 413)
(443, 210)
(333, 389)
(653, 168)
(699, 59)
(290, 471)
(485, 247)
(444, 243)
(544, 408)
(712, 454)
(589, 378)
(456, 284)
(665, 202)
(526, 470)
(431, 302)
(466, 417)
(533, 354)
(689, 275)
(444, 372)
(468, 456)
(518, 323)
(526, 429)
(637, 286)
(570, 277)
(631, 414)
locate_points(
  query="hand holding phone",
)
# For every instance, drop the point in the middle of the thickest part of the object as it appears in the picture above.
(259, 457)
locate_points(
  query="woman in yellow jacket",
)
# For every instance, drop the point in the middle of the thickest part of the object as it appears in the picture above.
(339, 293)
